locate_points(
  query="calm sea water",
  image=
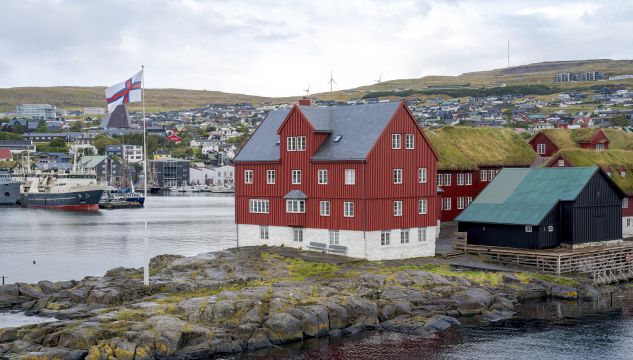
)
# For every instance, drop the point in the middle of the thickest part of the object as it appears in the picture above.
(70, 245)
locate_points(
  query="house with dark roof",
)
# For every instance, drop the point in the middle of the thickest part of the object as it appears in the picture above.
(572, 206)
(358, 177)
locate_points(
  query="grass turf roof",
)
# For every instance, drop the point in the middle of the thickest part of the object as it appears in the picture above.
(561, 137)
(464, 148)
(582, 135)
(614, 158)
(619, 140)
(567, 139)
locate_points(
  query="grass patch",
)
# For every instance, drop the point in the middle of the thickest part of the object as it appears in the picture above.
(557, 280)
(131, 316)
(302, 269)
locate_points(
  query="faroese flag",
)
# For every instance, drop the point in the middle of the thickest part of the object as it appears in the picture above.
(125, 92)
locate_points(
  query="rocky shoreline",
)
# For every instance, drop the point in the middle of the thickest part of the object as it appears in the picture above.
(246, 299)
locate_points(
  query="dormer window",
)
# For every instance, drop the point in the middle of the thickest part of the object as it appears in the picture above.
(292, 143)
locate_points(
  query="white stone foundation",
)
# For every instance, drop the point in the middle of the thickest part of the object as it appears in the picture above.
(358, 247)
(627, 231)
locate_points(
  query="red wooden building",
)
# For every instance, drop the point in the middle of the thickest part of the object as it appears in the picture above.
(356, 176)
(548, 142)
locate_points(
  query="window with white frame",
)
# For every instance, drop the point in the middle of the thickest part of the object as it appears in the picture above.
(350, 176)
(540, 149)
(397, 208)
(384, 238)
(599, 147)
(301, 143)
(491, 174)
(421, 235)
(422, 175)
(395, 141)
(484, 175)
(469, 200)
(422, 206)
(625, 203)
(439, 179)
(447, 179)
(292, 143)
(528, 229)
(460, 203)
(561, 162)
(404, 236)
(348, 209)
(460, 179)
(248, 176)
(263, 232)
(322, 177)
(550, 228)
(298, 235)
(469, 179)
(447, 204)
(325, 208)
(295, 206)
(270, 176)
(258, 206)
(408, 141)
(333, 237)
(397, 176)
(296, 177)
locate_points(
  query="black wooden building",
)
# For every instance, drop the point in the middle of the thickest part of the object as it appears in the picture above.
(540, 208)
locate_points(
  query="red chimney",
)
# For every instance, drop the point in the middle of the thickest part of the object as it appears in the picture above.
(304, 102)
(608, 170)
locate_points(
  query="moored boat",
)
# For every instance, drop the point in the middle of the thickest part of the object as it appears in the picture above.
(9, 189)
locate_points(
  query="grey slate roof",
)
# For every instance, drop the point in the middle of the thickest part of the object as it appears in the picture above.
(359, 128)
(296, 194)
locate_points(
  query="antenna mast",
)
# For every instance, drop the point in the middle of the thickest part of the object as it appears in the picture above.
(508, 53)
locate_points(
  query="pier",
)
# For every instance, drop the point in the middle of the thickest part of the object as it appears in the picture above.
(112, 205)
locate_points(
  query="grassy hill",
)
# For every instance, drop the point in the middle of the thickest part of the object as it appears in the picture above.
(76, 98)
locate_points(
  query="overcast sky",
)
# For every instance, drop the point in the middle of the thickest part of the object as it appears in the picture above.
(277, 48)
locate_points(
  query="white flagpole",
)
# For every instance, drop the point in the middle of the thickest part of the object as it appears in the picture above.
(146, 259)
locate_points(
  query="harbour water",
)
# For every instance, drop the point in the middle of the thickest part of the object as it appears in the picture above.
(69, 245)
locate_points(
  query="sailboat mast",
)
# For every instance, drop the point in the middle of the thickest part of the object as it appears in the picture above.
(146, 259)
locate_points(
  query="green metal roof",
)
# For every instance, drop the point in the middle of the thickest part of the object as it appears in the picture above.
(525, 196)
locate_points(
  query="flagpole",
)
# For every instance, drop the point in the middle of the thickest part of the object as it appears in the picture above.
(146, 258)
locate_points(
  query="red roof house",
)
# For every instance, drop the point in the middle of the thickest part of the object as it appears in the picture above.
(5, 155)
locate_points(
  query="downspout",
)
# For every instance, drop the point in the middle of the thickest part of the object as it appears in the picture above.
(364, 211)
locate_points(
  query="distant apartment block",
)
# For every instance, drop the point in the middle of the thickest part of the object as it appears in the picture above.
(585, 76)
(94, 111)
(39, 110)
(17, 146)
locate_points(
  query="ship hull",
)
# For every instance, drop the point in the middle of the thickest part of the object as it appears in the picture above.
(140, 200)
(80, 200)
(9, 193)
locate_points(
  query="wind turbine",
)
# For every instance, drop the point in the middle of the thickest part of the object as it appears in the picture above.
(331, 81)
(380, 78)
(308, 90)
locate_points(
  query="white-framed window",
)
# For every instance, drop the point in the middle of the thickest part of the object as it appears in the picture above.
(248, 176)
(296, 177)
(292, 143)
(301, 143)
(599, 147)
(469, 200)
(528, 229)
(348, 209)
(491, 174)
(421, 235)
(297, 235)
(550, 228)
(439, 179)
(333, 237)
(422, 206)
(395, 141)
(397, 176)
(447, 179)
(460, 179)
(447, 204)
(404, 236)
(295, 206)
(384, 238)
(422, 175)
(263, 232)
(469, 179)
(350, 176)
(258, 206)
(561, 162)
(460, 203)
(540, 149)
(270, 176)
(484, 175)
(397, 208)
(322, 177)
(625, 203)
(325, 208)
(408, 141)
